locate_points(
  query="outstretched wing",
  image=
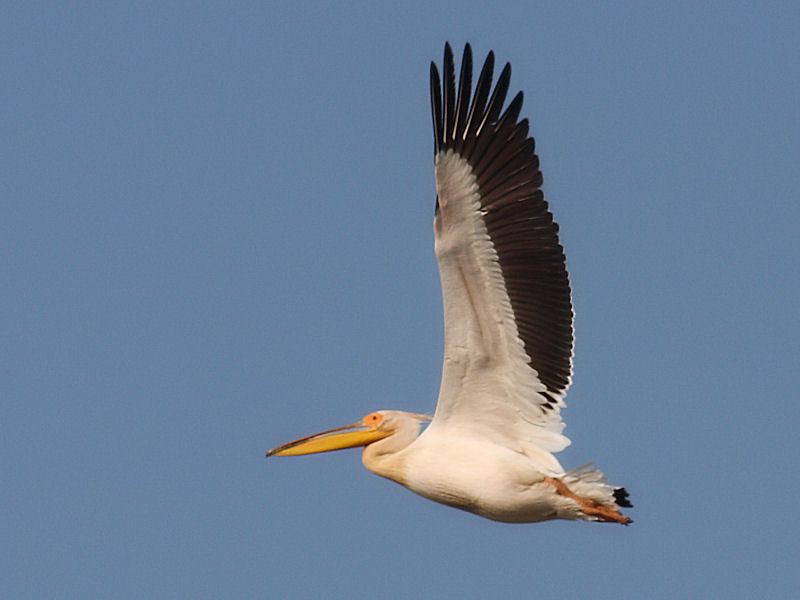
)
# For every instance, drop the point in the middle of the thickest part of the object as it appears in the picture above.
(507, 305)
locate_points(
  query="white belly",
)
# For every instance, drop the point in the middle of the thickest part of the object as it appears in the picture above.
(484, 478)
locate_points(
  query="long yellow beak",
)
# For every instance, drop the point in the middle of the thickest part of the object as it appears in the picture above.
(349, 436)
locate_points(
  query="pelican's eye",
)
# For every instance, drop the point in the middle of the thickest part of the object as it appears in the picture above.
(373, 420)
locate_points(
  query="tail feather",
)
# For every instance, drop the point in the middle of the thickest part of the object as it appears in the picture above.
(590, 482)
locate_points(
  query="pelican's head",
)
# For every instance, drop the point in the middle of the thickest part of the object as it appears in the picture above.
(403, 426)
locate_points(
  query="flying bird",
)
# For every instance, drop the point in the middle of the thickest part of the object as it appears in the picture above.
(508, 331)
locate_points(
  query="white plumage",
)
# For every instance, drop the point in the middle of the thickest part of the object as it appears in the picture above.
(508, 330)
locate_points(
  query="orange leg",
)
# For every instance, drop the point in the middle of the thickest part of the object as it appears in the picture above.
(588, 506)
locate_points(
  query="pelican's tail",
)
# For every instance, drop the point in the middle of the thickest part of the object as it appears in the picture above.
(598, 500)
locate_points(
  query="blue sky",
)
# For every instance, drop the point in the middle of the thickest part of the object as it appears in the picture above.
(216, 237)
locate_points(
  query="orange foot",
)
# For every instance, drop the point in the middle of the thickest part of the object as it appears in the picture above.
(589, 506)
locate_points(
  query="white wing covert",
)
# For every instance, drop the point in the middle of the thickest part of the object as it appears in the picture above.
(507, 302)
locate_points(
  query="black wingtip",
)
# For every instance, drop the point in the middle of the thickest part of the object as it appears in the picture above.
(448, 51)
(621, 498)
(463, 97)
(436, 109)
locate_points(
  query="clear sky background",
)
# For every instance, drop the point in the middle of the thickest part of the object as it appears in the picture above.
(216, 236)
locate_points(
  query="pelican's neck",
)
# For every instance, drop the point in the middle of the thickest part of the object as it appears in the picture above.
(387, 457)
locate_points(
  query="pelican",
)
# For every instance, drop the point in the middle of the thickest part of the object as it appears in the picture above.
(508, 331)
